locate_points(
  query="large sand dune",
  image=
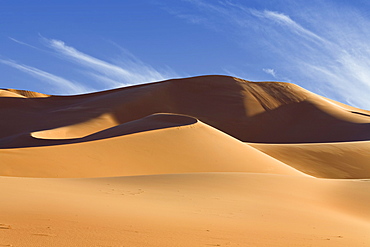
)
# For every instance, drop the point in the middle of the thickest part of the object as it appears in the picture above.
(203, 161)
(270, 112)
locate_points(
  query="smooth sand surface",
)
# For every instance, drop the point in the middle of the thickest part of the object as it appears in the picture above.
(204, 209)
(202, 161)
(324, 160)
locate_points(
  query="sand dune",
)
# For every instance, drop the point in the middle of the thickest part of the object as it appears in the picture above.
(202, 161)
(157, 144)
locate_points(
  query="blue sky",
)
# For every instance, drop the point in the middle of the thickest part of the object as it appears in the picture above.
(69, 47)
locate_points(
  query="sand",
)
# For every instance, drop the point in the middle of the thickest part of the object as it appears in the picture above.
(203, 161)
(198, 209)
(324, 160)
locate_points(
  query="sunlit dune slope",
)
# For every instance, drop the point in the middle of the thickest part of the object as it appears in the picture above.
(158, 144)
(219, 209)
(269, 112)
(21, 93)
(325, 160)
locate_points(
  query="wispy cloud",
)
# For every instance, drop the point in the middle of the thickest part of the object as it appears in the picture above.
(323, 48)
(270, 72)
(126, 71)
(23, 43)
(55, 81)
(286, 21)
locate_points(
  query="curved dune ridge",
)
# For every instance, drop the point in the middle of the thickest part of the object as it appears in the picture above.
(202, 161)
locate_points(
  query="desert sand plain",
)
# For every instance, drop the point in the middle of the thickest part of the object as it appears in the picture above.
(202, 161)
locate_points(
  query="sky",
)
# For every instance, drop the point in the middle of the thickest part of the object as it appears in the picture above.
(72, 47)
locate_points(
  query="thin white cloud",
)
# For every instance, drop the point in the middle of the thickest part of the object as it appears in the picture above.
(55, 81)
(85, 59)
(285, 20)
(126, 71)
(270, 72)
(23, 43)
(44, 51)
